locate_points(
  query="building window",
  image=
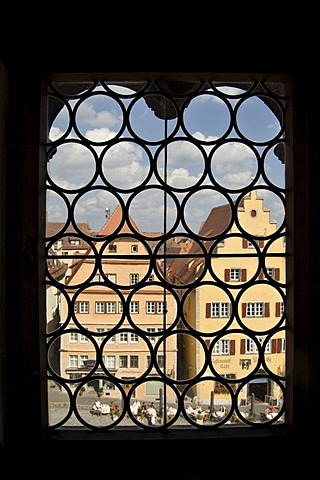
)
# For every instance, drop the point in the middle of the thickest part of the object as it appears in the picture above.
(155, 307)
(100, 331)
(74, 242)
(112, 277)
(256, 309)
(134, 338)
(222, 347)
(235, 274)
(123, 337)
(84, 339)
(134, 307)
(134, 361)
(112, 339)
(160, 307)
(100, 307)
(251, 346)
(152, 338)
(247, 244)
(218, 310)
(73, 361)
(83, 359)
(111, 307)
(151, 307)
(123, 361)
(81, 307)
(73, 337)
(273, 273)
(134, 278)
(161, 361)
(110, 361)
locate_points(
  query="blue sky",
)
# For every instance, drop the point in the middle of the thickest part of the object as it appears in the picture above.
(127, 164)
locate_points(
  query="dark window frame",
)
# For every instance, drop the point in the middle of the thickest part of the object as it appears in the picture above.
(224, 79)
(21, 239)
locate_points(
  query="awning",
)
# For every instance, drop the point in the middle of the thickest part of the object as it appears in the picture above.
(259, 380)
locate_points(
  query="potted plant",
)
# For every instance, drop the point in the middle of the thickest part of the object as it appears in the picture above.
(100, 392)
(82, 391)
(199, 415)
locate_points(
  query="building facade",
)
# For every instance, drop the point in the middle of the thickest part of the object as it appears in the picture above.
(234, 307)
(116, 317)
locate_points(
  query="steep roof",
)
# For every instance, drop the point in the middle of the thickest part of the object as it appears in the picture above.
(52, 228)
(66, 239)
(114, 221)
(184, 269)
(216, 222)
(111, 225)
(56, 267)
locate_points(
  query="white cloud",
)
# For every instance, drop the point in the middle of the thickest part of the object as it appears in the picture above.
(126, 165)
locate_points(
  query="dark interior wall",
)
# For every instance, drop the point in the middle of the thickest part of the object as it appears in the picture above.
(99, 37)
(146, 36)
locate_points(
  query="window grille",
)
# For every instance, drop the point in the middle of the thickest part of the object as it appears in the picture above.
(192, 175)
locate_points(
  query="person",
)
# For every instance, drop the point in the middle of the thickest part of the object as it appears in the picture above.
(105, 409)
(151, 414)
(114, 411)
(142, 410)
(135, 407)
(96, 407)
(280, 403)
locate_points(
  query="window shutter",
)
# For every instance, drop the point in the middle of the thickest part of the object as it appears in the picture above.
(244, 243)
(244, 310)
(232, 347)
(267, 309)
(279, 343)
(242, 346)
(227, 275)
(277, 274)
(243, 274)
(261, 275)
(278, 309)
(208, 310)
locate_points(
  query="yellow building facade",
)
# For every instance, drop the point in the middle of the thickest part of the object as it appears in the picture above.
(236, 308)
